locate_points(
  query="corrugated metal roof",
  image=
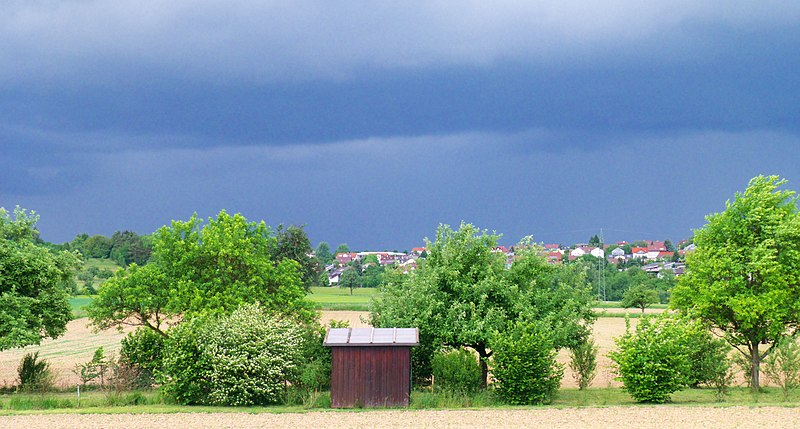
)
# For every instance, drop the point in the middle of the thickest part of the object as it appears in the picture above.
(372, 337)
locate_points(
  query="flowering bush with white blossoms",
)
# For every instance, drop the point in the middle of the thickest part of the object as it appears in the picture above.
(245, 358)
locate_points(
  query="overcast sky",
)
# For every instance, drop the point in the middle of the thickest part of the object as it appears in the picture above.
(373, 122)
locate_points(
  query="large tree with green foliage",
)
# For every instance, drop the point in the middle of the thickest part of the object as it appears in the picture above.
(203, 270)
(323, 253)
(463, 294)
(33, 296)
(640, 296)
(744, 276)
(293, 243)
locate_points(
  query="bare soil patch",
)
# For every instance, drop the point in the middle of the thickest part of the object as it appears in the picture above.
(642, 417)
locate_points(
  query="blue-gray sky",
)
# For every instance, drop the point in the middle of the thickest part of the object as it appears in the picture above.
(373, 122)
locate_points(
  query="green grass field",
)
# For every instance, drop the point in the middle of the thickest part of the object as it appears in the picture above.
(618, 304)
(332, 298)
(78, 303)
(100, 264)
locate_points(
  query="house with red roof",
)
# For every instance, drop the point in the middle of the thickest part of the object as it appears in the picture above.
(346, 257)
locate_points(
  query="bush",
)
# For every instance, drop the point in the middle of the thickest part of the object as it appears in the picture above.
(583, 363)
(456, 371)
(34, 373)
(654, 362)
(782, 365)
(709, 356)
(525, 365)
(142, 351)
(245, 358)
(185, 376)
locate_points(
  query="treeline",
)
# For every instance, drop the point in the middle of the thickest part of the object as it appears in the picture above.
(123, 247)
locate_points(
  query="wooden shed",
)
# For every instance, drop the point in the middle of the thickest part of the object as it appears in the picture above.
(371, 366)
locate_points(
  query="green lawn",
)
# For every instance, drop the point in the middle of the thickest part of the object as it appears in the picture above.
(78, 303)
(100, 263)
(332, 298)
(618, 304)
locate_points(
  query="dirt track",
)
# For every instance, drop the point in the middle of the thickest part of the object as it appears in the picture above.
(617, 417)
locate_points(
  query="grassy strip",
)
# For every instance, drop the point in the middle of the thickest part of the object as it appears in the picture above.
(150, 402)
(618, 304)
(332, 298)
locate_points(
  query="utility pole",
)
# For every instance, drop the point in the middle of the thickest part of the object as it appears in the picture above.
(601, 267)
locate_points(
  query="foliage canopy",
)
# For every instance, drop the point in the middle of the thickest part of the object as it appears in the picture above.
(197, 270)
(33, 295)
(462, 294)
(744, 276)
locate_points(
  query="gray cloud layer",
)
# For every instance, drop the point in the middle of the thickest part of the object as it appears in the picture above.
(289, 40)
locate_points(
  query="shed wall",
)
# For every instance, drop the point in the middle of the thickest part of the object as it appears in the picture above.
(370, 376)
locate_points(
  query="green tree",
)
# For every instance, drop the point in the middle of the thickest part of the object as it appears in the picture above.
(370, 259)
(670, 247)
(372, 276)
(202, 270)
(96, 246)
(594, 241)
(33, 296)
(293, 243)
(350, 278)
(128, 247)
(323, 253)
(462, 294)
(640, 296)
(744, 276)
(343, 248)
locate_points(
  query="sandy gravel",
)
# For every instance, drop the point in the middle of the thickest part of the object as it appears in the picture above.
(618, 417)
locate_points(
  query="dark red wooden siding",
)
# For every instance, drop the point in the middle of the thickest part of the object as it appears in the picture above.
(370, 376)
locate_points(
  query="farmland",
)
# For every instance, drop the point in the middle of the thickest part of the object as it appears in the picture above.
(80, 341)
(568, 410)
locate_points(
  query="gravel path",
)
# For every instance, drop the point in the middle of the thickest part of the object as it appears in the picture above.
(617, 417)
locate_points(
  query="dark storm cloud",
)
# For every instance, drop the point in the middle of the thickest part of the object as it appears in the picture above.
(301, 40)
(380, 193)
(374, 122)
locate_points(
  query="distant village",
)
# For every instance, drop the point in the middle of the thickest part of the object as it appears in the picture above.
(651, 256)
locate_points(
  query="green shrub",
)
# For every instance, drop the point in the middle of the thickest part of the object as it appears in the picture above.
(583, 363)
(314, 372)
(525, 365)
(186, 368)
(142, 351)
(456, 371)
(708, 355)
(34, 374)
(782, 365)
(95, 369)
(245, 358)
(653, 362)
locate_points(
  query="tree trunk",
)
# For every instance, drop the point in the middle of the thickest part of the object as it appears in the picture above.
(483, 358)
(755, 363)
